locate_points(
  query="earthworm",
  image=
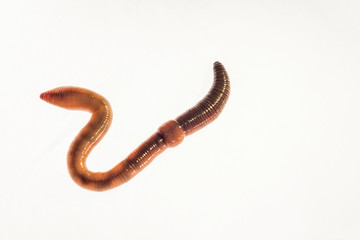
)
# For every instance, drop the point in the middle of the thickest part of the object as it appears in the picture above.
(170, 134)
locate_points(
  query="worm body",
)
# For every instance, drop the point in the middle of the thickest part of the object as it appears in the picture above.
(170, 134)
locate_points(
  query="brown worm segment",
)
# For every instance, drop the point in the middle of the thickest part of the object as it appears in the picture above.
(170, 134)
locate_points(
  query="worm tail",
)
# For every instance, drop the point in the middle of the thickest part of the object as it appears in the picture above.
(209, 108)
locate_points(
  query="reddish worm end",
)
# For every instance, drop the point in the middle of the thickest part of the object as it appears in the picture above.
(170, 134)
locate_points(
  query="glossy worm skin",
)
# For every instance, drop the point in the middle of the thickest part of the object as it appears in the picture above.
(170, 134)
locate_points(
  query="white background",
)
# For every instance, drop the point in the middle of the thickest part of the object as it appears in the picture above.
(281, 162)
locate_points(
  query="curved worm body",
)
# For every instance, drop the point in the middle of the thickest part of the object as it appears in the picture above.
(170, 134)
